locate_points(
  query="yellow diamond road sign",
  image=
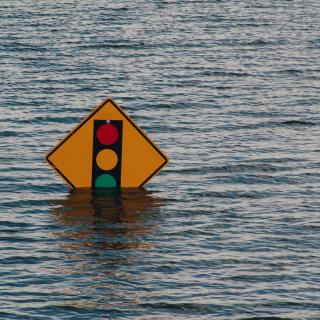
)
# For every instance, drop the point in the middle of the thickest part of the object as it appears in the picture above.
(107, 149)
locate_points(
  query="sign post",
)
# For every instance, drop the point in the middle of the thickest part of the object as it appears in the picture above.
(106, 150)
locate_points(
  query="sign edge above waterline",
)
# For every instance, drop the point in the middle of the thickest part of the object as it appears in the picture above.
(99, 107)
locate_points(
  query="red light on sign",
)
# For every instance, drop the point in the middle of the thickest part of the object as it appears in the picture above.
(107, 134)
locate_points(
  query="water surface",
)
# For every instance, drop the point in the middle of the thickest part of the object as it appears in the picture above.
(230, 228)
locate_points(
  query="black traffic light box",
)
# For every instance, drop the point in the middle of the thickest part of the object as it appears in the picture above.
(107, 154)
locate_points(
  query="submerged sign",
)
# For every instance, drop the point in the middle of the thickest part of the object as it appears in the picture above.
(106, 150)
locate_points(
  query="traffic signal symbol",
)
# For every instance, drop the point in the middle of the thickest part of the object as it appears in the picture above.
(107, 154)
(75, 158)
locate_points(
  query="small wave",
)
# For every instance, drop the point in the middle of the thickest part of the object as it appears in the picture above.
(269, 124)
(235, 194)
(113, 45)
(290, 71)
(119, 9)
(298, 123)
(231, 73)
(183, 307)
(13, 133)
(266, 318)
(259, 42)
(255, 42)
(258, 167)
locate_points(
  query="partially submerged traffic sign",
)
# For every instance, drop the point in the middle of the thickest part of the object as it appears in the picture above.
(107, 149)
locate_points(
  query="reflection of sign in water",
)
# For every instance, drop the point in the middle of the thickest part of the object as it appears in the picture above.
(107, 220)
(107, 149)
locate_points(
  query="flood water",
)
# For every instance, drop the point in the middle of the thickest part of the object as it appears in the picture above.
(229, 229)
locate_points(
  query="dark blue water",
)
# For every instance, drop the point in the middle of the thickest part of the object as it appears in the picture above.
(230, 228)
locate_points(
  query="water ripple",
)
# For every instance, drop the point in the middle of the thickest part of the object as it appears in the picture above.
(229, 229)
